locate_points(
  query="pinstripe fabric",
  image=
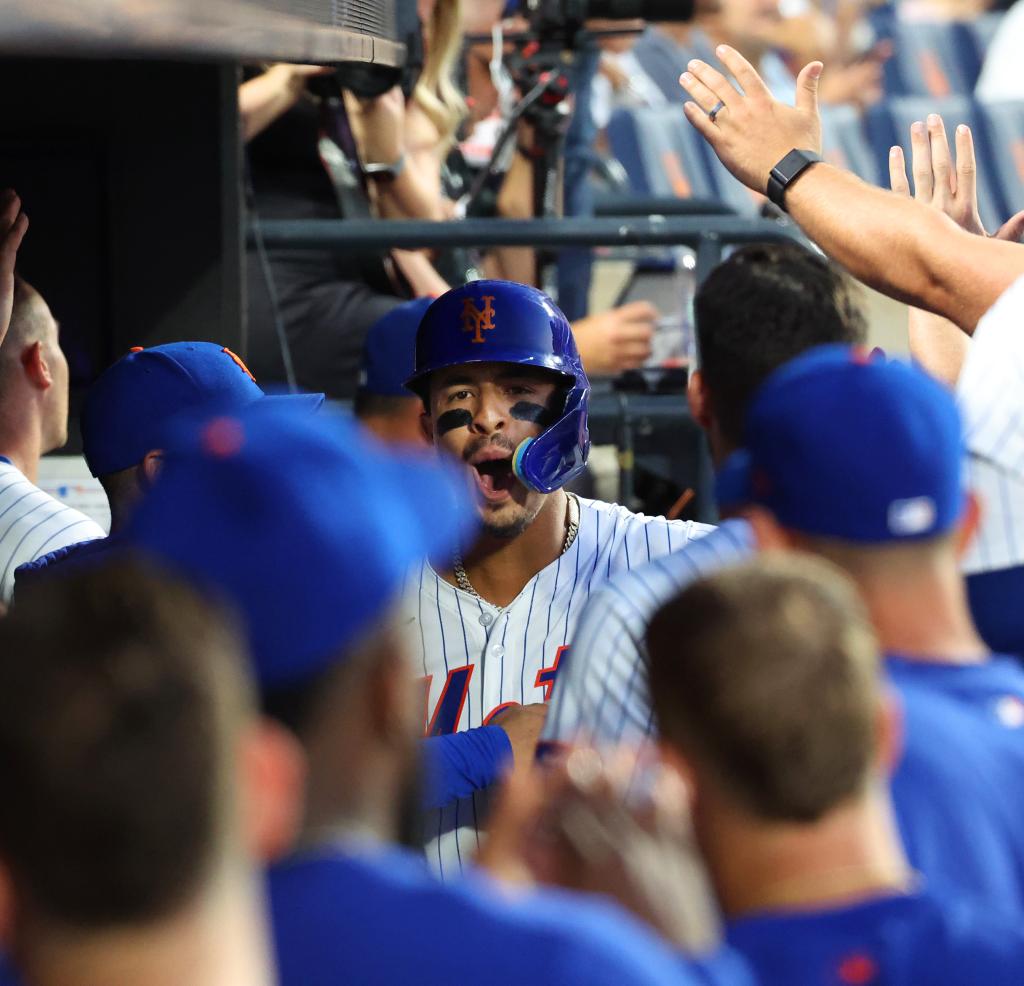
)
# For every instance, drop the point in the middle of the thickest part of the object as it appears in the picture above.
(514, 654)
(990, 391)
(33, 523)
(602, 693)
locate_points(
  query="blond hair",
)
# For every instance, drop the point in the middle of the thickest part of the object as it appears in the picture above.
(436, 92)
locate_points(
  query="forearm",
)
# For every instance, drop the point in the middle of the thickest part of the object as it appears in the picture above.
(938, 345)
(263, 99)
(460, 763)
(417, 269)
(903, 248)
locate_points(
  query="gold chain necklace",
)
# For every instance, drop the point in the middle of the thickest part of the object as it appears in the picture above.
(573, 527)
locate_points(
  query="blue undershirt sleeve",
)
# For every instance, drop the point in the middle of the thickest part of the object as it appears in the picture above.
(458, 764)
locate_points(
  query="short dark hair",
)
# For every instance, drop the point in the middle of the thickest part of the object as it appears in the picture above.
(119, 693)
(767, 675)
(764, 305)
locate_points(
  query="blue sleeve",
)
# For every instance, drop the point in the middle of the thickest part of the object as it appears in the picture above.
(458, 764)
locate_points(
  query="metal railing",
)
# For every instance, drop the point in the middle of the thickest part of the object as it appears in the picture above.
(707, 235)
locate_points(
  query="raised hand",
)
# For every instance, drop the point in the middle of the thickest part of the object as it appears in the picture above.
(947, 186)
(13, 224)
(586, 825)
(752, 131)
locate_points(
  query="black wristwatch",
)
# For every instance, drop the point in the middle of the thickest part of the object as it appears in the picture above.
(791, 167)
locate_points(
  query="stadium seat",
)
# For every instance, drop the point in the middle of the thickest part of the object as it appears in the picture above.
(1003, 124)
(980, 31)
(845, 144)
(665, 156)
(656, 160)
(889, 123)
(928, 60)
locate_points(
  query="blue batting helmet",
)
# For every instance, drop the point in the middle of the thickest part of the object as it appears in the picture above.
(506, 322)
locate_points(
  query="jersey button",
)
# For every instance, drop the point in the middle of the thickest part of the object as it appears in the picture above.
(486, 619)
(497, 651)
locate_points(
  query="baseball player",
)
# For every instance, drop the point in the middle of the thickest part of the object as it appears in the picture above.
(124, 420)
(313, 567)
(760, 308)
(907, 250)
(766, 688)
(860, 461)
(505, 394)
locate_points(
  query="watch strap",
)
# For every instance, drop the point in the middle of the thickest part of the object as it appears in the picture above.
(385, 172)
(791, 167)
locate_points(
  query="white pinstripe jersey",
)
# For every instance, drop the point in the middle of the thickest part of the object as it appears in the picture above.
(990, 392)
(602, 695)
(32, 523)
(477, 659)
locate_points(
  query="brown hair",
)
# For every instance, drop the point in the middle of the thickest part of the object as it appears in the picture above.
(766, 675)
(120, 696)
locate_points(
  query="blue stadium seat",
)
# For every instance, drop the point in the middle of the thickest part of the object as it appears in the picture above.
(1003, 125)
(663, 155)
(980, 31)
(889, 123)
(657, 160)
(928, 60)
(845, 144)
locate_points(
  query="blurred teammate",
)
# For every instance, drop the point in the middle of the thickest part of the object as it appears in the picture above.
(860, 461)
(766, 688)
(33, 420)
(269, 510)
(505, 394)
(383, 403)
(910, 251)
(129, 746)
(757, 310)
(125, 418)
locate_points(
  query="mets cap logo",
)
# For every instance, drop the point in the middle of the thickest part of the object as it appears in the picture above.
(475, 319)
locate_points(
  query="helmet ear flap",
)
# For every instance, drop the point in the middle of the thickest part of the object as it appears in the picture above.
(559, 455)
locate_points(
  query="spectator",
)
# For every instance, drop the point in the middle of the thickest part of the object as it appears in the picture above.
(129, 748)
(33, 421)
(125, 421)
(337, 676)
(383, 404)
(766, 688)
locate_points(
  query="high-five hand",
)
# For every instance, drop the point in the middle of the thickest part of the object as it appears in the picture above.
(750, 130)
(950, 188)
(13, 223)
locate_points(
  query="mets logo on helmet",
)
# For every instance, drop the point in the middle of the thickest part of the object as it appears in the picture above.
(477, 319)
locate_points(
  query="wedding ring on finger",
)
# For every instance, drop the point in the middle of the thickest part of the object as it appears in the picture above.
(715, 110)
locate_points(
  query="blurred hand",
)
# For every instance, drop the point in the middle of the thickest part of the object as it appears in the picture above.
(950, 188)
(861, 83)
(523, 724)
(380, 127)
(293, 77)
(618, 339)
(13, 223)
(579, 826)
(753, 131)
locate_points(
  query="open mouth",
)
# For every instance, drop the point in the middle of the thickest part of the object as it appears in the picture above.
(495, 477)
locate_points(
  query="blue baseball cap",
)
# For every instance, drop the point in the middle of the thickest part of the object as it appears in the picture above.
(302, 523)
(844, 445)
(128, 407)
(390, 349)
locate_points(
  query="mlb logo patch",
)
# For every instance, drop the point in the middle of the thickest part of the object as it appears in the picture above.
(914, 516)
